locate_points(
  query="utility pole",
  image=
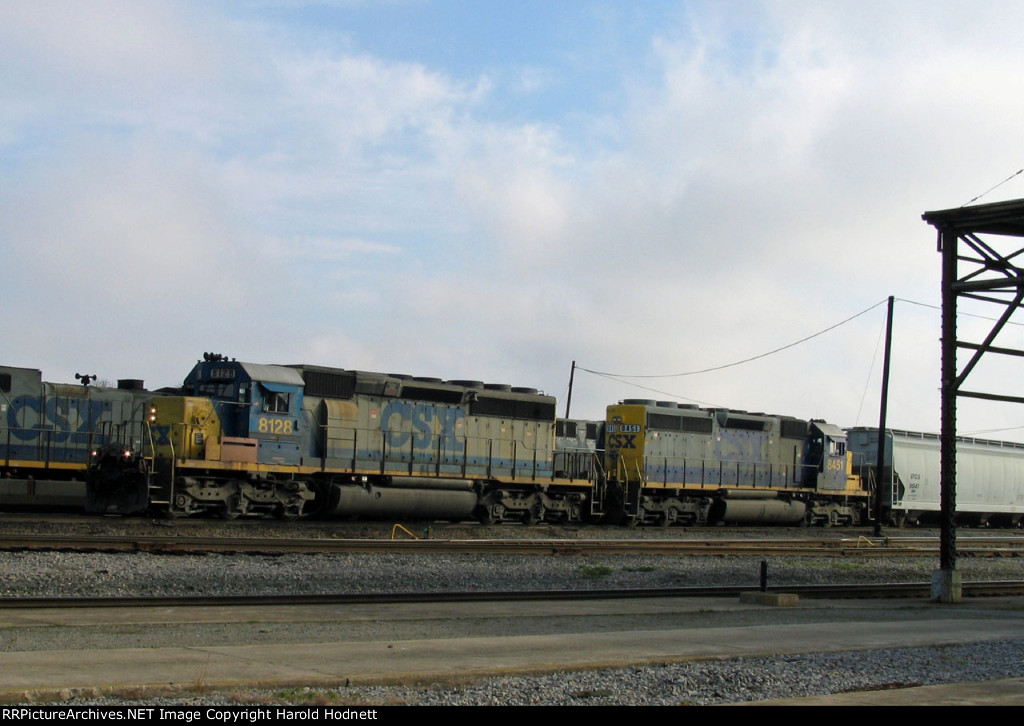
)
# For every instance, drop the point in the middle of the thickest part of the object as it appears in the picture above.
(880, 466)
(568, 398)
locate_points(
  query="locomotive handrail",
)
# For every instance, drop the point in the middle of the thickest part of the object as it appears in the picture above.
(583, 464)
(148, 431)
(714, 473)
(391, 459)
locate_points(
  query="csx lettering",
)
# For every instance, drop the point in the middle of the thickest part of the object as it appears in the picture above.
(622, 441)
(64, 419)
(420, 423)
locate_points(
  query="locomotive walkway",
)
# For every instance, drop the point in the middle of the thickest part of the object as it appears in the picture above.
(757, 630)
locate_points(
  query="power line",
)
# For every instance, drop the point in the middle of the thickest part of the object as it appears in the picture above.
(959, 313)
(605, 374)
(1019, 171)
(670, 394)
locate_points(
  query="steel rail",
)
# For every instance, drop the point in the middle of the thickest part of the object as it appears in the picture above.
(861, 547)
(836, 591)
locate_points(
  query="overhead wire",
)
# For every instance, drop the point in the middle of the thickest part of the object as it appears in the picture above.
(1017, 173)
(959, 313)
(622, 377)
(618, 376)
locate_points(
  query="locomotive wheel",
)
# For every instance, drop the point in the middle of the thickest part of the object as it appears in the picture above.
(490, 514)
(669, 517)
(633, 521)
(182, 506)
(534, 515)
(231, 508)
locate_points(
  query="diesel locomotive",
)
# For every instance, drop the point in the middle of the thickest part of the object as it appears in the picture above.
(295, 441)
(241, 440)
(48, 431)
(669, 463)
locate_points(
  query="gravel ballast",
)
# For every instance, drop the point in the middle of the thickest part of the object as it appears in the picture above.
(41, 574)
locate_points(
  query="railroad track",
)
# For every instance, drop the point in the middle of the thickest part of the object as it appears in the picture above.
(976, 546)
(858, 591)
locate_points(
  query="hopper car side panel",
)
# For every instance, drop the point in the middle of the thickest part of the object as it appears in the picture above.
(989, 479)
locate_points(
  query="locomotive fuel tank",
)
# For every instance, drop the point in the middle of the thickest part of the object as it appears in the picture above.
(448, 499)
(739, 507)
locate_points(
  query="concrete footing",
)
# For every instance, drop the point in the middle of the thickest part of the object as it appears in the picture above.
(946, 586)
(778, 599)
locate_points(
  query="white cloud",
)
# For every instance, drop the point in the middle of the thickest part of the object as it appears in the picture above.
(220, 183)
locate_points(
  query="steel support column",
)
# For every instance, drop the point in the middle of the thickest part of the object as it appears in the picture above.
(945, 585)
(979, 270)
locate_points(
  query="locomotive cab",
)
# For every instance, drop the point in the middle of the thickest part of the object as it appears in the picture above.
(258, 406)
(826, 462)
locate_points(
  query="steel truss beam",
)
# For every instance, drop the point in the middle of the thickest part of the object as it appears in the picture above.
(986, 271)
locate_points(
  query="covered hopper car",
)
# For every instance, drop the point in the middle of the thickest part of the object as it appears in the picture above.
(989, 477)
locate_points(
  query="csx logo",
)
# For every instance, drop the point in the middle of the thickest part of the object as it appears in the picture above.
(161, 435)
(622, 441)
(425, 425)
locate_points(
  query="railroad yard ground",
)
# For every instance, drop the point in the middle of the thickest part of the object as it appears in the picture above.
(648, 651)
(331, 654)
(70, 524)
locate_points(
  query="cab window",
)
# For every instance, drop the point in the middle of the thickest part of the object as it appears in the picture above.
(274, 402)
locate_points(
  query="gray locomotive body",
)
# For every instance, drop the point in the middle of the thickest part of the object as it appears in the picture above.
(248, 439)
(48, 431)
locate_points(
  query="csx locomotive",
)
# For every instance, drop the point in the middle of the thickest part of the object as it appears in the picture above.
(242, 439)
(295, 441)
(668, 463)
(48, 431)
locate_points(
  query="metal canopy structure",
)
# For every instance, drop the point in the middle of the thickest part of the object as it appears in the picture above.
(984, 270)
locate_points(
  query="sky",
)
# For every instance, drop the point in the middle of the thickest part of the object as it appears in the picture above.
(494, 190)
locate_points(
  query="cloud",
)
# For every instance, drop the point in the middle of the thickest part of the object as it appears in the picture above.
(117, 227)
(217, 180)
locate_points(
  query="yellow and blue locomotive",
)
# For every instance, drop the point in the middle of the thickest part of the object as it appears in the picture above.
(244, 439)
(668, 463)
(292, 441)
